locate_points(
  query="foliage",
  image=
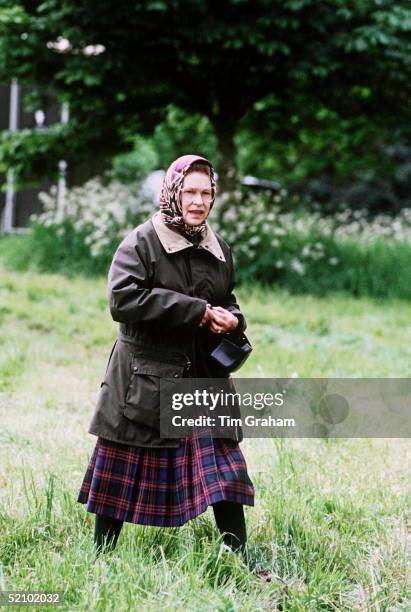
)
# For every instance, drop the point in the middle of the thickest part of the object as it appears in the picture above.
(381, 180)
(334, 161)
(178, 133)
(121, 68)
(346, 162)
(181, 132)
(30, 151)
(136, 164)
(274, 240)
(86, 233)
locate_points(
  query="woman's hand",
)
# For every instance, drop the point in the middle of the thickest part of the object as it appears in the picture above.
(208, 316)
(222, 320)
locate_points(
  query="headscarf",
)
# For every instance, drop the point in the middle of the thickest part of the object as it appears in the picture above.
(170, 196)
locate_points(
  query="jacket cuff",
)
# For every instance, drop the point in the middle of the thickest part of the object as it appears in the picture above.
(240, 327)
(203, 309)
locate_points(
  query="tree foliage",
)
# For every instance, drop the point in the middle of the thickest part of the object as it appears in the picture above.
(275, 66)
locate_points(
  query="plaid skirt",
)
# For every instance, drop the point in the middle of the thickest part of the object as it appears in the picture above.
(164, 487)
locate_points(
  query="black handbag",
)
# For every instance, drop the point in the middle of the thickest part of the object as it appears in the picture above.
(230, 354)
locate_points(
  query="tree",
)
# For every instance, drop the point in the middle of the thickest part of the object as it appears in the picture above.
(121, 64)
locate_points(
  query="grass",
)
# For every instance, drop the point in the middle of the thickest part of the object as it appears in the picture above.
(329, 516)
(379, 269)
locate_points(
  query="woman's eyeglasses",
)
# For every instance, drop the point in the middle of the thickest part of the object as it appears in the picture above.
(189, 194)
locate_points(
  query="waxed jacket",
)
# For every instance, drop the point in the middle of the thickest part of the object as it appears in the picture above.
(159, 284)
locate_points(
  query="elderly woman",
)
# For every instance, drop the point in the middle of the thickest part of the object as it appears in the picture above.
(171, 290)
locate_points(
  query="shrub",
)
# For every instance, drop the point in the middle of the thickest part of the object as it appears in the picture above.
(84, 236)
(274, 242)
(274, 239)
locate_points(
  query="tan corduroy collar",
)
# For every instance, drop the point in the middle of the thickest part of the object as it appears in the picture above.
(173, 242)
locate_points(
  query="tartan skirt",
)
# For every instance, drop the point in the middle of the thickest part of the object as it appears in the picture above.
(164, 487)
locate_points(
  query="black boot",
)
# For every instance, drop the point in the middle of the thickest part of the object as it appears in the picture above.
(230, 521)
(106, 532)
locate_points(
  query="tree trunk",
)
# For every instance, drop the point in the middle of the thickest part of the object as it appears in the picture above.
(227, 171)
(81, 172)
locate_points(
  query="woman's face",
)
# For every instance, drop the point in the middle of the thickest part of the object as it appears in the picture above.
(196, 197)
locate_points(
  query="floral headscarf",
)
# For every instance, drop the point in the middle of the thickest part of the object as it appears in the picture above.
(170, 200)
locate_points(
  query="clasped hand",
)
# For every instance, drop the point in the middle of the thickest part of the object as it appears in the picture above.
(219, 319)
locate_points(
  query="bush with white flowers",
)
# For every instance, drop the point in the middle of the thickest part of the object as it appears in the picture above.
(94, 219)
(274, 239)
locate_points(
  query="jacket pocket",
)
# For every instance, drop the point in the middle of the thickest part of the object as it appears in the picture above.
(142, 398)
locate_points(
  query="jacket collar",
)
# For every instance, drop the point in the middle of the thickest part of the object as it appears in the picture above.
(173, 241)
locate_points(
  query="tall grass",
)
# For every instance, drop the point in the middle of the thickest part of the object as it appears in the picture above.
(322, 549)
(327, 528)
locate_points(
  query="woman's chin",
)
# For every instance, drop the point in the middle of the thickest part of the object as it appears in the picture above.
(193, 222)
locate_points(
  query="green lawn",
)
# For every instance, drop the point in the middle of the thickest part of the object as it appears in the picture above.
(329, 516)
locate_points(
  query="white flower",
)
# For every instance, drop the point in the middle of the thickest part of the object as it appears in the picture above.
(297, 266)
(94, 49)
(60, 45)
(230, 215)
(105, 213)
(300, 225)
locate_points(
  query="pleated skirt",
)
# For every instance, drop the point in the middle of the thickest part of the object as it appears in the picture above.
(164, 487)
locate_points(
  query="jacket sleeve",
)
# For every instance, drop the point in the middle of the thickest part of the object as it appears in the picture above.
(132, 300)
(230, 301)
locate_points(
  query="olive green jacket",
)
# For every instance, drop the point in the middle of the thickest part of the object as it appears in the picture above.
(159, 284)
